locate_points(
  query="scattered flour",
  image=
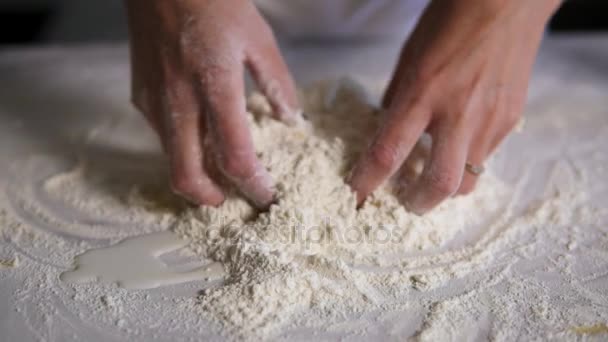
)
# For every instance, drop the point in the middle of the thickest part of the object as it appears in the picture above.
(313, 249)
(483, 266)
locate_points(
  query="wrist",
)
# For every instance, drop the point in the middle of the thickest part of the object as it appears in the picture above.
(541, 7)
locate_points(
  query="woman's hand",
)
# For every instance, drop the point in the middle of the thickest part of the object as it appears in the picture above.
(188, 59)
(463, 78)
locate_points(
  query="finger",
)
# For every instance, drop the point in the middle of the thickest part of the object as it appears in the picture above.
(389, 93)
(397, 79)
(414, 164)
(230, 137)
(506, 128)
(481, 145)
(394, 141)
(183, 135)
(486, 141)
(478, 152)
(443, 173)
(403, 75)
(272, 76)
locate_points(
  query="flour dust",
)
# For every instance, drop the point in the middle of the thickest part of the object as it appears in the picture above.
(477, 267)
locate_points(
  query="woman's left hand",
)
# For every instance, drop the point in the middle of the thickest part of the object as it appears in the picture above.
(463, 78)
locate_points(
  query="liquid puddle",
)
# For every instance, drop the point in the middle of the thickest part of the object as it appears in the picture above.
(135, 263)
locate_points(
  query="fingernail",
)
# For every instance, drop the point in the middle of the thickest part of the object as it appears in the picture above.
(260, 189)
(412, 208)
(410, 201)
(290, 117)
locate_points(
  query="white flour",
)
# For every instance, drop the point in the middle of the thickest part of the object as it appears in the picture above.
(313, 249)
(478, 267)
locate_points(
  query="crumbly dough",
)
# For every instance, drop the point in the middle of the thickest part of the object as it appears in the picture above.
(312, 248)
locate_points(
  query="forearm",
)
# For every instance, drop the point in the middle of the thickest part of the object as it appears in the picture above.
(542, 9)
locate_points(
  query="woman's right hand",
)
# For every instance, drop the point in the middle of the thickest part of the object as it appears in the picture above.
(188, 59)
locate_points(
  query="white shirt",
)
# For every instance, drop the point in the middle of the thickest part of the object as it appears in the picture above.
(341, 18)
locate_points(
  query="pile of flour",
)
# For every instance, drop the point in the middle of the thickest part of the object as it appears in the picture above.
(313, 250)
(478, 267)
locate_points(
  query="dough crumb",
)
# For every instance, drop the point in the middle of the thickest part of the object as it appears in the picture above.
(314, 250)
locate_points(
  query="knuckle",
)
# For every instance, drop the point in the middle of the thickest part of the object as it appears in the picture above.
(267, 32)
(506, 107)
(507, 124)
(183, 183)
(495, 100)
(214, 77)
(237, 166)
(511, 120)
(443, 183)
(384, 156)
(196, 189)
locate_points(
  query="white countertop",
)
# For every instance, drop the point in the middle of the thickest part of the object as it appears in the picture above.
(55, 101)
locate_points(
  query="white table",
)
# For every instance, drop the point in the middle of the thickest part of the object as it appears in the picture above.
(54, 102)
